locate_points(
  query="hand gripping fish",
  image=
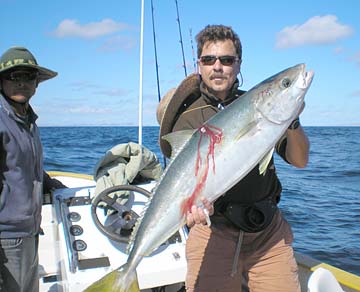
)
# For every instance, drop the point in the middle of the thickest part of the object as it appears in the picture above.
(209, 161)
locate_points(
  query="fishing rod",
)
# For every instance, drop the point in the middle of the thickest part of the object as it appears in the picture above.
(181, 41)
(192, 50)
(155, 51)
(156, 60)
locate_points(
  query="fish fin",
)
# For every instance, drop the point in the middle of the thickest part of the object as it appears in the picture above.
(121, 280)
(245, 130)
(134, 232)
(141, 216)
(137, 224)
(177, 140)
(263, 164)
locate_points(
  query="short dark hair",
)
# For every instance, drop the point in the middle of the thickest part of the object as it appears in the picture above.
(213, 33)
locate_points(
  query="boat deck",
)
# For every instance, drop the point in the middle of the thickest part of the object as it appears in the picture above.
(73, 253)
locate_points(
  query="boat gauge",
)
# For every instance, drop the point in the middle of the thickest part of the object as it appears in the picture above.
(74, 216)
(79, 245)
(76, 230)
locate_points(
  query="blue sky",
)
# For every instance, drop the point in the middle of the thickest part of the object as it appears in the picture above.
(95, 48)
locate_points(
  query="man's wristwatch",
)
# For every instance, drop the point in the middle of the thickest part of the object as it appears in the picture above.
(294, 124)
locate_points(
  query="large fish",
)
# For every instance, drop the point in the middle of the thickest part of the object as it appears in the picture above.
(209, 161)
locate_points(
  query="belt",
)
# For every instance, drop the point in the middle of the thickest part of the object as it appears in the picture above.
(249, 218)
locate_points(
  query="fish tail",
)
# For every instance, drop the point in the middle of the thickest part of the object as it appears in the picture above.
(119, 280)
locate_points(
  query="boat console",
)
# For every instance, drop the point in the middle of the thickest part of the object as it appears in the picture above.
(74, 252)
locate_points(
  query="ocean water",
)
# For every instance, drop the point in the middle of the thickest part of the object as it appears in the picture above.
(321, 202)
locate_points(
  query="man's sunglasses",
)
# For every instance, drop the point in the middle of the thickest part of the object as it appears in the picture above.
(18, 76)
(210, 60)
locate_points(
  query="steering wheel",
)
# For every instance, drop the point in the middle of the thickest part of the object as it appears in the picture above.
(123, 220)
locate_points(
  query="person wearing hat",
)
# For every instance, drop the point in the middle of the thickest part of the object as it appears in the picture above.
(249, 242)
(21, 169)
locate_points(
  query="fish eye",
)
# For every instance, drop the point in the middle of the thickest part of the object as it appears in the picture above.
(286, 82)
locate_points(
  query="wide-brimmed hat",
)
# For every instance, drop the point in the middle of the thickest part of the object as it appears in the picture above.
(170, 104)
(22, 57)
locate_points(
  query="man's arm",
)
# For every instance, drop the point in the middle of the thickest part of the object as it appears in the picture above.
(294, 145)
(297, 147)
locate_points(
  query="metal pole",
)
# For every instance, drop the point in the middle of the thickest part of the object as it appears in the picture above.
(141, 74)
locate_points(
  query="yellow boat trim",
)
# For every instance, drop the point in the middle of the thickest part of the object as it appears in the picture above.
(345, 278)
(70, 174)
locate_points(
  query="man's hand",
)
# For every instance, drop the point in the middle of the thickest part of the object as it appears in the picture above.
(51, 183)
(197, 215)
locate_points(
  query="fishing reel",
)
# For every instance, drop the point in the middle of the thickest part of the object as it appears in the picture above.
(121, 221)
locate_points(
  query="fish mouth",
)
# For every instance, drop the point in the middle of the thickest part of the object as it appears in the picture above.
(307, 77)
(304, 81)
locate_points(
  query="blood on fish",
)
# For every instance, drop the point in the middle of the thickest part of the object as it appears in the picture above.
(215, 135)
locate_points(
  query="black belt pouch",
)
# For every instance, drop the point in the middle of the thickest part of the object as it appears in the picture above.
(251, 218)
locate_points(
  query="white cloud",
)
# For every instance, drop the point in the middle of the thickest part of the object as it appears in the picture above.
(72, 28)
(118, 42)
(113, 92)
(88, 110)
(339, 50)
(81, 85)
(356, 93)
(356, 58)
(318, 30)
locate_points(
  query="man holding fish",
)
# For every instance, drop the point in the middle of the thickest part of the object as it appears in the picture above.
(248, 240)
(221, 143)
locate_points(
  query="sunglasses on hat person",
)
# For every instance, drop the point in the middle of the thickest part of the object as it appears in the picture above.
(210, 60)
(21, 76)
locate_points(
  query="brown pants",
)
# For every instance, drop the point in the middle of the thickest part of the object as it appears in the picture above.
(266, 262)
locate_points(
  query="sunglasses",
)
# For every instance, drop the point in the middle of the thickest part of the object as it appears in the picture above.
(18, 76)
(224, 60)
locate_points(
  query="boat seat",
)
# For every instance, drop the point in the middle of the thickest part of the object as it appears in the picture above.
(322, 280)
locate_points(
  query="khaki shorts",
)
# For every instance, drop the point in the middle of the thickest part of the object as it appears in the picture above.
(266, 262)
